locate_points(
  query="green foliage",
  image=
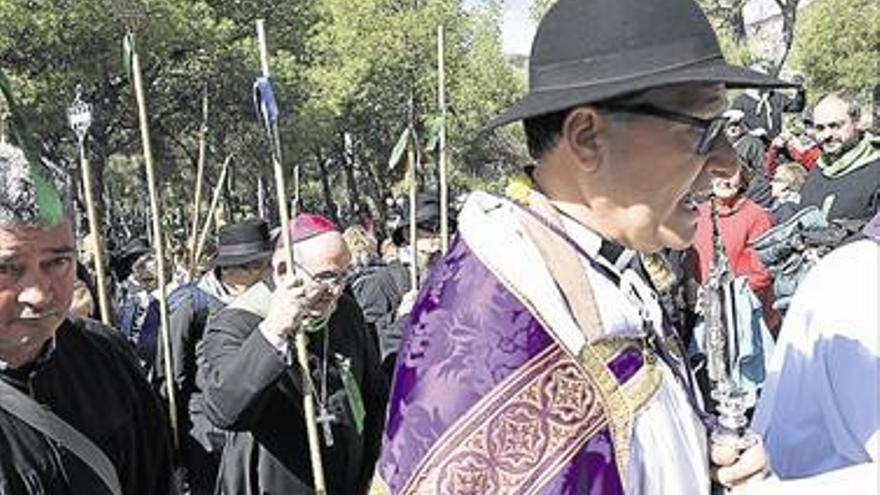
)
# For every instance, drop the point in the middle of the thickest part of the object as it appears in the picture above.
(540, 7)
(837, 45)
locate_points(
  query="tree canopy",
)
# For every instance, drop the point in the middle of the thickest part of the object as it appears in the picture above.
(837, 45)
(343, 73)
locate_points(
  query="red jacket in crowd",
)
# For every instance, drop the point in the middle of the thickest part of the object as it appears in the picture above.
(740, 221)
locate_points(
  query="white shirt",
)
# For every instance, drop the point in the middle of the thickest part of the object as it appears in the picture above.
(667, 423)
(820, 410)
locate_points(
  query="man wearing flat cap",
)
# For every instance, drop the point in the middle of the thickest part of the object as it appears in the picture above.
(537, 358)
(254, 386)
(243, 252)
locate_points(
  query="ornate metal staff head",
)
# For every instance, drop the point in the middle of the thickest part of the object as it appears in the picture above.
(79, 115)
(132, 12)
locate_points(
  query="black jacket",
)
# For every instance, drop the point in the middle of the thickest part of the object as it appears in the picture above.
(379, 292)
(769, 117)
(252, 390)
(856, 195)
(200, 443)
(92, 381)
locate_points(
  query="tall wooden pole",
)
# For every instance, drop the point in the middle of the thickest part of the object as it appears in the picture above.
(158, 238)
(413, 204)
(97, 238)
(261, 197)
(200, 177)
(300, 339)
(79, 115)
(441, 95)
(212, 210)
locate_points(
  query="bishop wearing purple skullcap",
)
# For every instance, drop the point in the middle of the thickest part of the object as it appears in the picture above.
(254, 387)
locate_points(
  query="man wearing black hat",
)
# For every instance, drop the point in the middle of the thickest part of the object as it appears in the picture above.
(386, 294)
(137, 315)
(537, 358)
(243, 254)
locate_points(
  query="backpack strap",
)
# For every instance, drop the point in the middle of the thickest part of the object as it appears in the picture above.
(48, 423)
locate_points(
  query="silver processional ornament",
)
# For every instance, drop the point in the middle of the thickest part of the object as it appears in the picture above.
(722, 350)
(79, 115)
(131, 11)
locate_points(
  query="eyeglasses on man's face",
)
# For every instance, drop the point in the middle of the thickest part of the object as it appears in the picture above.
(328, 277)
(711, 128)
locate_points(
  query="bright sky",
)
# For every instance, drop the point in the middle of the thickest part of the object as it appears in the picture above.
(517, 29)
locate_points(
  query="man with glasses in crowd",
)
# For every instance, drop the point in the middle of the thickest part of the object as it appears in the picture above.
(254, 387)
(537, 357)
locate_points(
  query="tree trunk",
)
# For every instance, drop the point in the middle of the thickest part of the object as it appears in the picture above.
(378, 192)
(325, 186)
(789, 19)
(349, 166)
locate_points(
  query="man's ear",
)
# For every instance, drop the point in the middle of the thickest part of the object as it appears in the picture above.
(580, 132)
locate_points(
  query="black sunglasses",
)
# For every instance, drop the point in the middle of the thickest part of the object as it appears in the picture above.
(711, 128)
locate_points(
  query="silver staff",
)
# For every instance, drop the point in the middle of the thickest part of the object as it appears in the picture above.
(722, 349)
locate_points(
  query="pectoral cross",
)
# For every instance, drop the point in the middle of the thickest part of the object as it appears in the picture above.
(326, 418)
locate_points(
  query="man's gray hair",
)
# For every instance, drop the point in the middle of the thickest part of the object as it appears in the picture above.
(18, 193)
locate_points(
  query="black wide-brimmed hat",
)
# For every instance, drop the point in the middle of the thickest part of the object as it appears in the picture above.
(427, 217)
(242, 243)
(587, 51)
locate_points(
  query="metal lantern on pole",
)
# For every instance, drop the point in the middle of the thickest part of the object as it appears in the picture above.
(79, 116)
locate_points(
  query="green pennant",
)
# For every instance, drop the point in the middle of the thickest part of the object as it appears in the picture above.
(435, 127)
(47, 196)
(397, 153)
(19, 132)
(352, 392)
(127, 50)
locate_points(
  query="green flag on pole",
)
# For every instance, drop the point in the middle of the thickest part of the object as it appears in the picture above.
(435, 127)
(127, 49)
(402, 142)
(48, 197)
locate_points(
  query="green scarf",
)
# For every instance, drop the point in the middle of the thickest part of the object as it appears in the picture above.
(867, 151)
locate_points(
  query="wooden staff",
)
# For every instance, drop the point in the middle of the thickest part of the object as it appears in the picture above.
(300, 340)
(413, 227)
(209, 220)
(200, 177)
(80, 116)
(100, 275)
(441, 95)
(157, 235)
(261, 198)
(412, 164)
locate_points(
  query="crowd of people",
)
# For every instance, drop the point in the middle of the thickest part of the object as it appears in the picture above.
(561, 344)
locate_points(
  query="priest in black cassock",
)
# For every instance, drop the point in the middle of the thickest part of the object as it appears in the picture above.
(77, 416)
(254, 386)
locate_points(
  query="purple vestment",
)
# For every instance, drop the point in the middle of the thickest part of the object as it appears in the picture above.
(486, 401)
